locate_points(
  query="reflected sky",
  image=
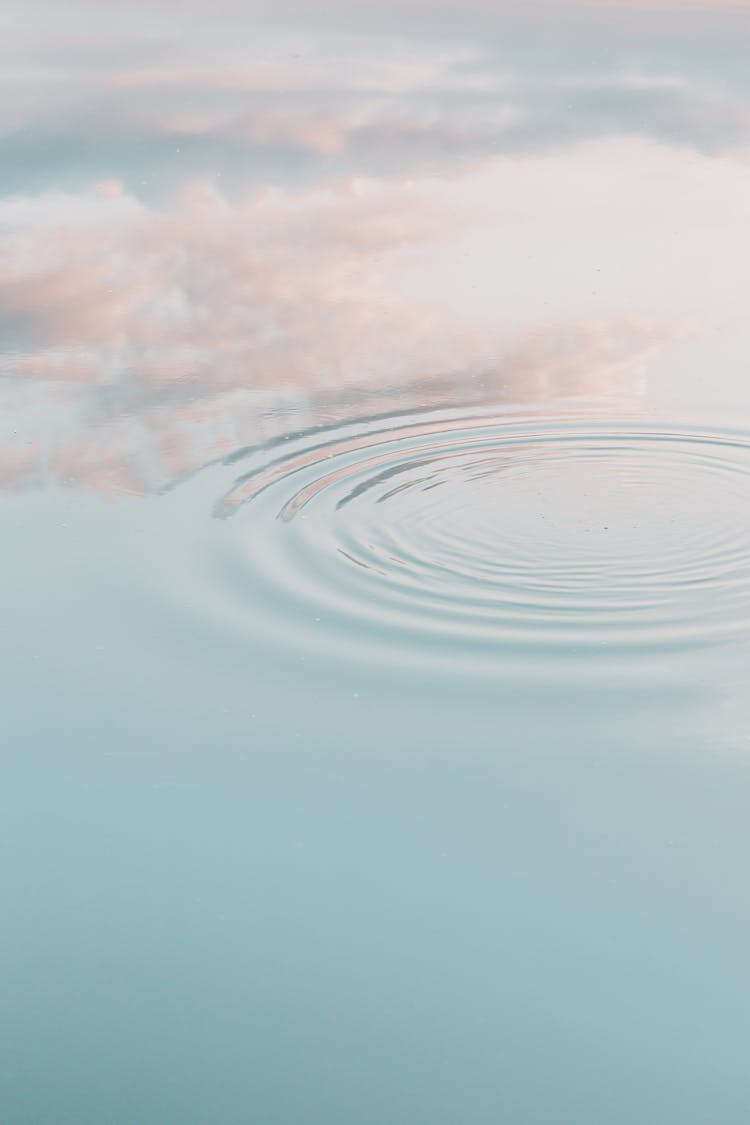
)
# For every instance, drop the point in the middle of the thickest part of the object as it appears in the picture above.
(375, 594)
(207, 228)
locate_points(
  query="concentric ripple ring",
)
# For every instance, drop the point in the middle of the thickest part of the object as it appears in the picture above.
(452, 533)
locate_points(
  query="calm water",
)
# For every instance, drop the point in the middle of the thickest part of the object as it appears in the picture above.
(375, 469)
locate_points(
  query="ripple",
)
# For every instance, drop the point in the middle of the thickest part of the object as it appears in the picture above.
(508, 537)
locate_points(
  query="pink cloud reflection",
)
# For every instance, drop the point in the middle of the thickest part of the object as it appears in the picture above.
(159, 339)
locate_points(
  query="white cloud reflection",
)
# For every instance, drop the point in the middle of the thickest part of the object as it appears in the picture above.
(202, 224)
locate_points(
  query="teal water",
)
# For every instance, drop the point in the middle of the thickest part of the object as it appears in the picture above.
(375, 565)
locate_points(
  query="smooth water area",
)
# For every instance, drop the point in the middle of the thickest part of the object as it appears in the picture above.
(375, 465)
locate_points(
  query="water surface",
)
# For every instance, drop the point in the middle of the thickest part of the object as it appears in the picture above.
(375, 469)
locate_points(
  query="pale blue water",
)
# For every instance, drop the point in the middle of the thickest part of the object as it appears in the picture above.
(375, 564)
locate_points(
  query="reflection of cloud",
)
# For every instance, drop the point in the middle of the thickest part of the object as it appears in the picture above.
(208, 285)
(472, 215)
(142, 341)
(153, 136)
(141, 448)
(339, 285)
(238, 99)
(109, 189)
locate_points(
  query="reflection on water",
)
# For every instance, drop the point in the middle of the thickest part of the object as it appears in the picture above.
(549, 534)
(379, 755)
